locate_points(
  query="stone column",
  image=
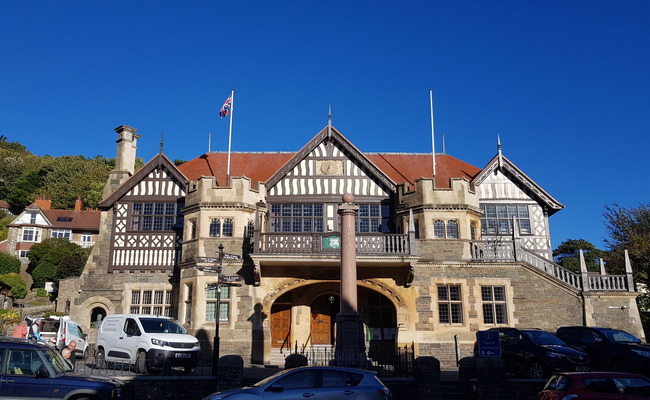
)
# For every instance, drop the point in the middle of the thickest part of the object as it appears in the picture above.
(350, 343)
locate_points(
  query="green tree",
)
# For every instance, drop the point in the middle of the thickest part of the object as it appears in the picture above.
(74, 264)
(629, 229)
(15, 284)
(46, 257)
(567, 254)
(22, 191)
(9, 264)
(67, 178)
(44, 272)
(5, 219)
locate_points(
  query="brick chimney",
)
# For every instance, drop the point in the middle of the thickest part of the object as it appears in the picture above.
(127, 143)
(43, 203)
(78, 204)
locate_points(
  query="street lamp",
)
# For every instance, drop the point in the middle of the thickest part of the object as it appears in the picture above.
(217, 315)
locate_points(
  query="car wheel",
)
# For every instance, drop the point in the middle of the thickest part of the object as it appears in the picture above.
(141, 363)
(100, 359)
(535, 370)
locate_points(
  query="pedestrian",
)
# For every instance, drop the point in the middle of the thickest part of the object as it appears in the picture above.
(20, 331)
(34, 330)
(68, 353)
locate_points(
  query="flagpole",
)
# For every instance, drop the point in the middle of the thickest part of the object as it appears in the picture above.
(232, 111)
(433, 138)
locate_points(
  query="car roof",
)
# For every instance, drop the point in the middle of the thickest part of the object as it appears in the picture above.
(600, 374)
(362, 371)
(13, 342)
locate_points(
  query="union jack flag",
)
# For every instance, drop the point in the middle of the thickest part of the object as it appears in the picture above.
(227, 106)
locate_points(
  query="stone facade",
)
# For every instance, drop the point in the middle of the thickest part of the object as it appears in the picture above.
(426, 276)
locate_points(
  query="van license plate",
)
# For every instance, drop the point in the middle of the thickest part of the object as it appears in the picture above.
(183, 355)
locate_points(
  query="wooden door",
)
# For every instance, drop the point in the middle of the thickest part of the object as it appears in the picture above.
(281, 325)
(321, 321)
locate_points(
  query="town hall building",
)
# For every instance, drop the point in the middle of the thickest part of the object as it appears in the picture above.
(439, 257)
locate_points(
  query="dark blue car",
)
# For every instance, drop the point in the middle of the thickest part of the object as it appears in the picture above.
(609, 349)
(30, 370)
(533, 353)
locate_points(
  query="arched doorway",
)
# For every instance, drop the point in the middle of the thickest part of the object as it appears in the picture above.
(323, 312)
(281, 322)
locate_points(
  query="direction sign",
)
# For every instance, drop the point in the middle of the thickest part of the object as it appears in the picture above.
(209, 260)
(489, 344)
(227, 256)
(231, 278)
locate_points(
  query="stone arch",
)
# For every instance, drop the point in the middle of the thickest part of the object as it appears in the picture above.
(386, 290)
(86, 309)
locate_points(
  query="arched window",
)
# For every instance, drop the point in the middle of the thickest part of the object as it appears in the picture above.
(215, 227)
(438, 229)
(472, 231)
(452, 230)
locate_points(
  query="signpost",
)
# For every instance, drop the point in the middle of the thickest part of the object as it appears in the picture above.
(489, 344)
(228, 280)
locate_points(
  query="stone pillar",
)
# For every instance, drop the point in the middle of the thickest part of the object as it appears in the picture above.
(350, 343)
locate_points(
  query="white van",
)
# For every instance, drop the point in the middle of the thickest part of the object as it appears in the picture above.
(60, 331)
(148, 341)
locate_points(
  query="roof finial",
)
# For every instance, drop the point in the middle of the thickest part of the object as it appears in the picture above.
(329, 122)
(499, 150)
(162, 141)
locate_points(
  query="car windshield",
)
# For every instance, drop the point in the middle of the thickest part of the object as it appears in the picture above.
(161, 325)
(57, 362)
(270, 378)
(619, 336)
(544, 338)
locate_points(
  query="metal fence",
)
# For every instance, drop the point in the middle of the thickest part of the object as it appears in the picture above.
(393, 362)
(387, 361)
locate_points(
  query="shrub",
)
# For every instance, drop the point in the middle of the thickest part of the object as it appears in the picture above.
(44, 272)
(15, 284)
(9, 264)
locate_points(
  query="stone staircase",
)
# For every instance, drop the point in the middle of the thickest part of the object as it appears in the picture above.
(277, 357)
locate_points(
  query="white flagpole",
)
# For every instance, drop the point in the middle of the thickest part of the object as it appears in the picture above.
(232, 111)
(433, 138)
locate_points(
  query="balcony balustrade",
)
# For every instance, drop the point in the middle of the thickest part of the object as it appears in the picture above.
(389, 244)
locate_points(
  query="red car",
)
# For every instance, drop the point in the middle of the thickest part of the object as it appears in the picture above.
(595, 386)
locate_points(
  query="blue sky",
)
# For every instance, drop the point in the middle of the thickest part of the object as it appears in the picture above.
(566, 84)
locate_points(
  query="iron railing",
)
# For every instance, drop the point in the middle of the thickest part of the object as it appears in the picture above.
(324, 243)
(511, 251)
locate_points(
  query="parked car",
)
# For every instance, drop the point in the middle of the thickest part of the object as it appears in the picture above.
(148, 341)
(313, 382)
(609, 349)
(595, 386)
(31, 370)
(60, 331)
(534, 353)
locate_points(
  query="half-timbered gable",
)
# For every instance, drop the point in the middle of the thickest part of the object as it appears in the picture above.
(305, 193)
(147, 218)
(512, 203)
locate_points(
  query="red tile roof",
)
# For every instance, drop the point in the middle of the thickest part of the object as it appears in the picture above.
(259, 167)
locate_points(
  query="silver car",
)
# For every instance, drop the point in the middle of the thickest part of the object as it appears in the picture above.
(322, 383)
